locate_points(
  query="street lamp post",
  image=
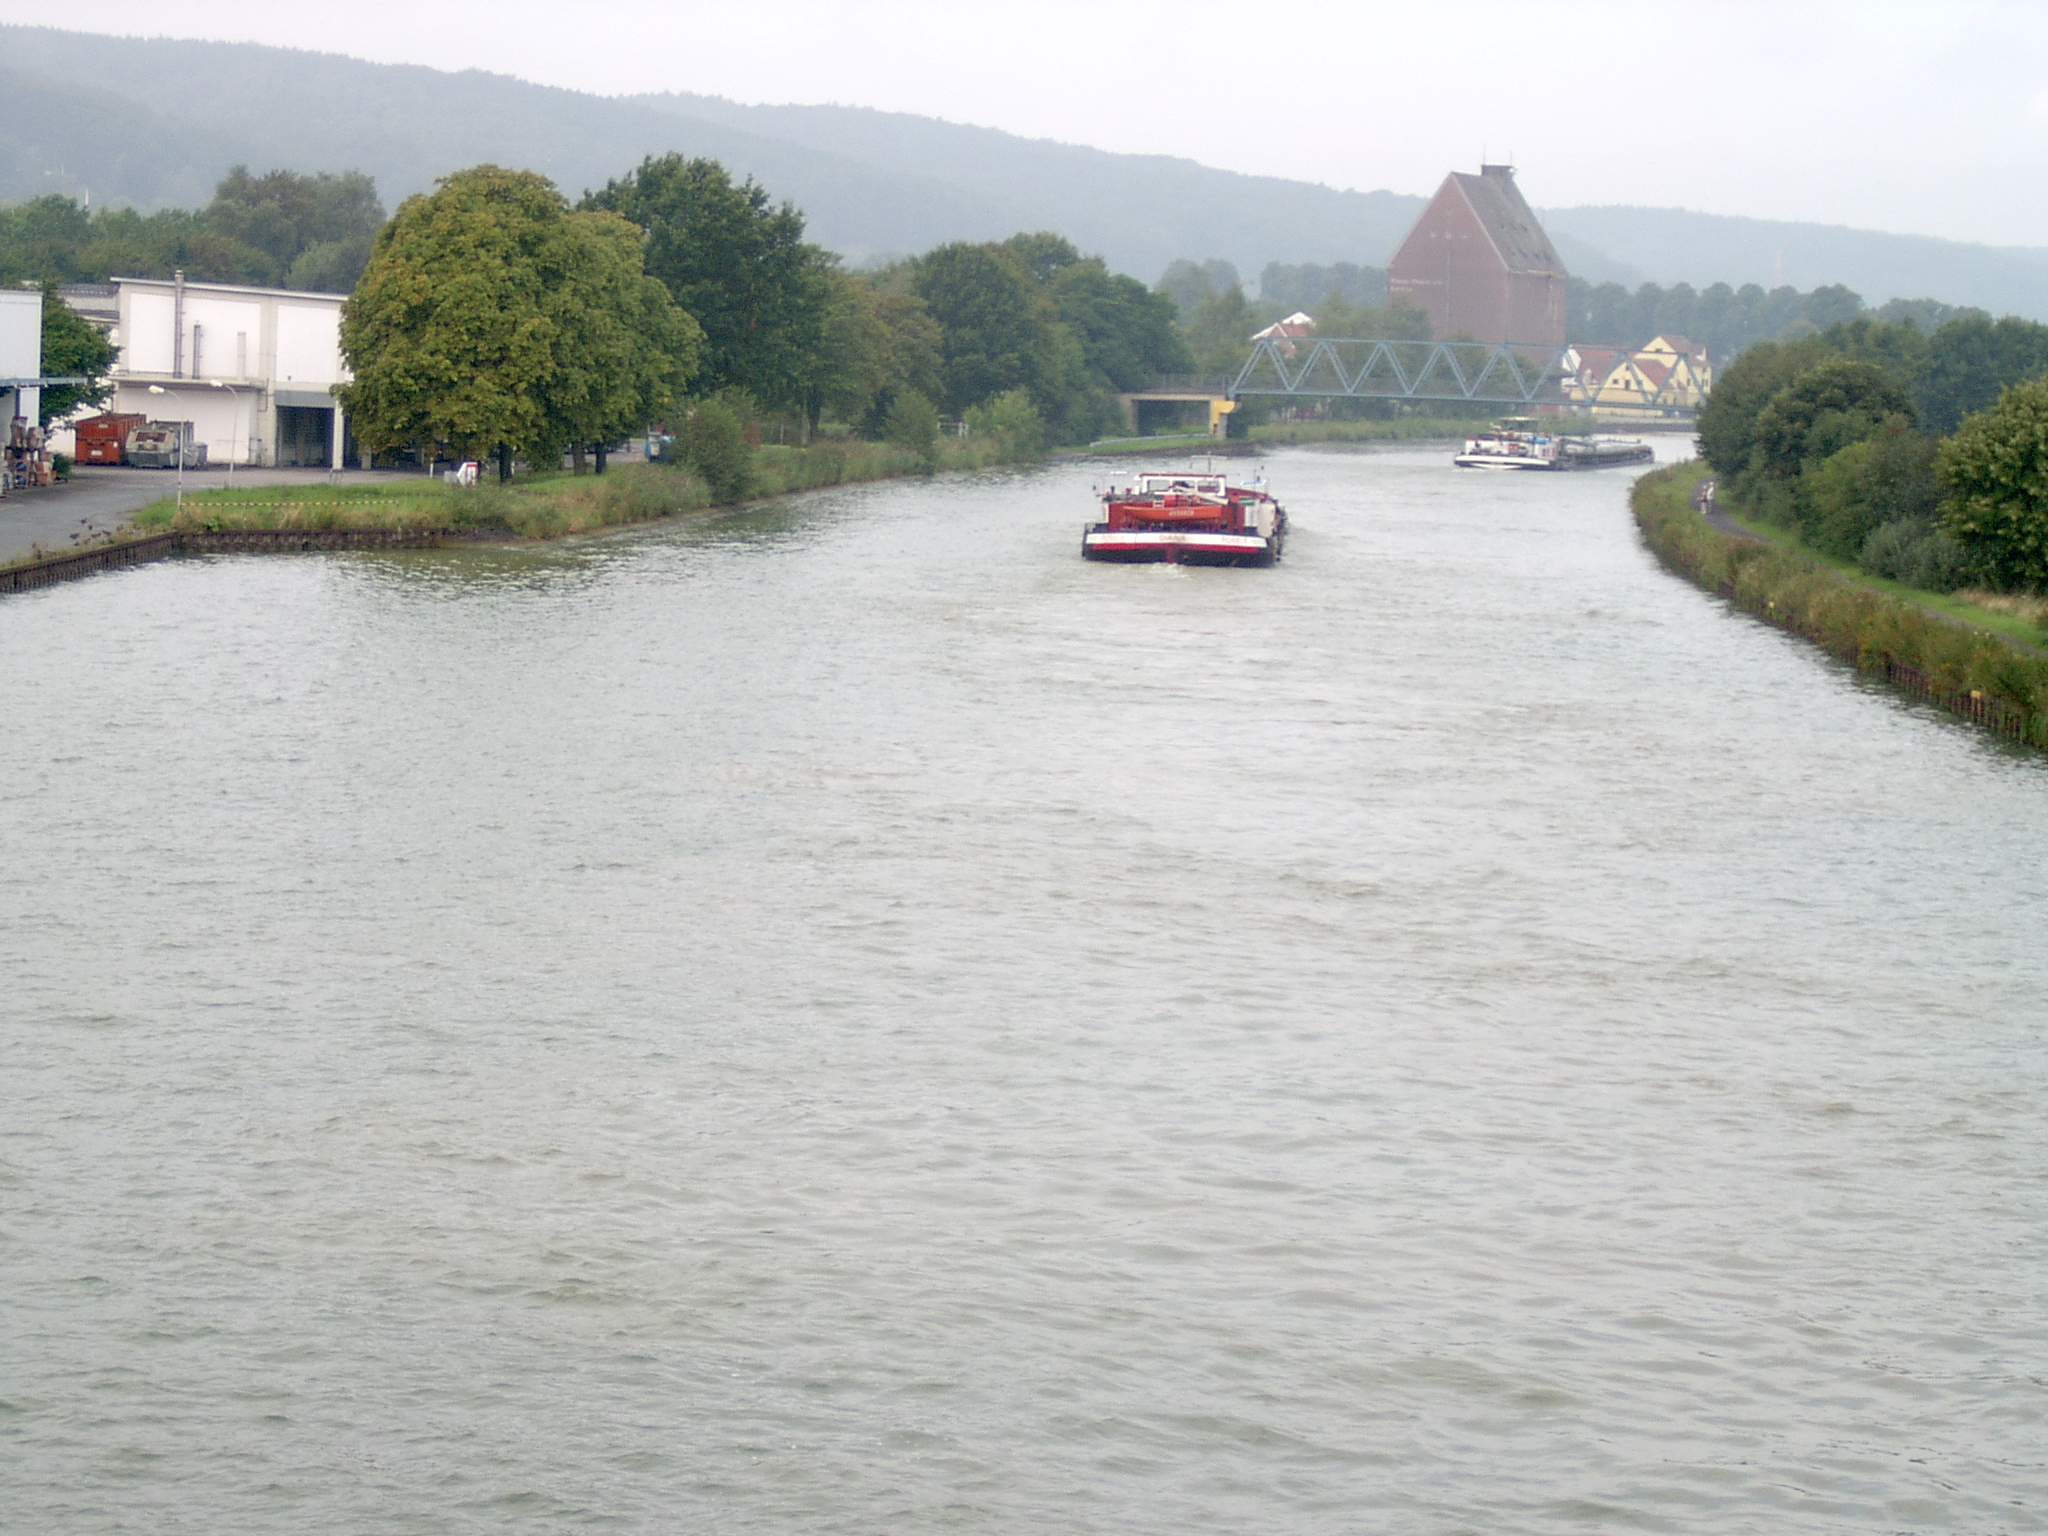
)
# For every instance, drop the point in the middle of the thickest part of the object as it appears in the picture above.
(233, 429)
(158, 389)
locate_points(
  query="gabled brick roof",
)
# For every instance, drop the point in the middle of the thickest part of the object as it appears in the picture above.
(1509, 221)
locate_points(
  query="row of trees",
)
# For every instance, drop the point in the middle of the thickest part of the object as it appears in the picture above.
(1923, 458)
(1283, 288)
(1727, 319)
(494, 317)
(280, 229)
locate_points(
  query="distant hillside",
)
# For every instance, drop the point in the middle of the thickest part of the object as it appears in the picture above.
(156, 122)
(1673, 245)
(1139, 211)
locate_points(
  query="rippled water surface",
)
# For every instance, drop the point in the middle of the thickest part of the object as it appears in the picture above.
(849, 1018)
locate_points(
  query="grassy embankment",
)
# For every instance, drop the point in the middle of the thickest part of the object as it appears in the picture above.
(548, 506)
(2020, 618)
(1952, 652)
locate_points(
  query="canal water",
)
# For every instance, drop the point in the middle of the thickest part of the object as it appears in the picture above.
(844, 1017)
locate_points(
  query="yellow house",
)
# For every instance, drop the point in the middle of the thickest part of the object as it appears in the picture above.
(1689, 377)
(1671, 373)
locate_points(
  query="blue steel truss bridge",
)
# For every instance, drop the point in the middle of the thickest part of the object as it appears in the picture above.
(1469, 372)
(1515, 378)
(1475, 372)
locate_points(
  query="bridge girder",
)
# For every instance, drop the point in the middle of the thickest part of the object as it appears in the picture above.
(1474, 372)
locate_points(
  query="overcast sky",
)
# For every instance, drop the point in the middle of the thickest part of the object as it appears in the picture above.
(1923, 118)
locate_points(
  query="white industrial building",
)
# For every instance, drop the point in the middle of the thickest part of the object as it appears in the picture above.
(21, 354)
(253, 369)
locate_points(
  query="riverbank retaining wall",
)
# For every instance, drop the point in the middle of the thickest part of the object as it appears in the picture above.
(162, 546)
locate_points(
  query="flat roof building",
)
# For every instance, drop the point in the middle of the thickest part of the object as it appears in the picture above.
(21, 354)
(253, 369)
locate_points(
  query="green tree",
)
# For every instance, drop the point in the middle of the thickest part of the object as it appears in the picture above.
(490, 315)
(1745, 387)
(713, 442)
(1824, 409)
(44, 240)
(1901, 350)
(741, 268)
(873, 346)
(913, 423)
(314, 231)
(623, 353)
(998, 331)
(1043, 254)
(1126, 331)
(1400, 322)
(281, 227)
(1972, 358)
(1188, 283)
(1996, 470)
(72, 345)
(1309, 285)
(1220, 336)
(1111, 333)
(1012, 419)
(1886, 478)
(1831, 305)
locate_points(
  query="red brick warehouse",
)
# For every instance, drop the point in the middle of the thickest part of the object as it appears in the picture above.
(1480, 266)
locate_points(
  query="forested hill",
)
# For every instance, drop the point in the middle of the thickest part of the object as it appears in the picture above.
(1141, 211)
(156, 122)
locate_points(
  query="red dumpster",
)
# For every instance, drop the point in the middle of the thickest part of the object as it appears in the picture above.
(104, 439)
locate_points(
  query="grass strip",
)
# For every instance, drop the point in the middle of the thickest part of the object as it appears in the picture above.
(551, 506)
(2012, 624)
(1974, 672)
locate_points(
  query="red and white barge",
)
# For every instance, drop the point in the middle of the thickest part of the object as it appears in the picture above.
(1187, 517)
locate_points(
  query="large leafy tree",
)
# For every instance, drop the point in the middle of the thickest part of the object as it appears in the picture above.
(740, 266)
(623, 351)
(1219, 335)
(874, 347)
(1824, 409)
(1000, 333)
(1729, 417)
(1886, 478)
(44, 240)
(1996, 470)
(1127, 332)
(1972, 358)
(492, 318)
(72, 345)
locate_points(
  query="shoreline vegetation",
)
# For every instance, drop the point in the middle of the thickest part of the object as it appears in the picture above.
(563, 504)
(535, 507)
(1960, 656)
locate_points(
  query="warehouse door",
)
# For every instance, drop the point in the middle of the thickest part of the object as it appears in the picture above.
(305, 435)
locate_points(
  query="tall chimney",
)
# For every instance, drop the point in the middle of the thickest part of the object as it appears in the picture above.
(178, 324)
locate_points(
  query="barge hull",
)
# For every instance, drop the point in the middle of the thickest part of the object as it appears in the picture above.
(1136, 546)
